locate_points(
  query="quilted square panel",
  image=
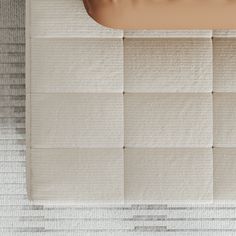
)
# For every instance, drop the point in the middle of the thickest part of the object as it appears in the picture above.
(65, 18)
(168, 120)
(168, 65)
(84, 175)
(224, 173)
(72, 120)
(224, 120)
(74, 65)
(224, 65)
(168, 174)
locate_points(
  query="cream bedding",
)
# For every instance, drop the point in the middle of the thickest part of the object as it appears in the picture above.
(127, 116)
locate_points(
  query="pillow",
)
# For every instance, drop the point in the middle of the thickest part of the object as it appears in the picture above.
(163, 14)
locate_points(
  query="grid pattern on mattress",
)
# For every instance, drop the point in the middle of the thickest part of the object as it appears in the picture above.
(127, 116)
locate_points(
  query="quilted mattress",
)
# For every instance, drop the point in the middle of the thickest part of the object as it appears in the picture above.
(126, 116)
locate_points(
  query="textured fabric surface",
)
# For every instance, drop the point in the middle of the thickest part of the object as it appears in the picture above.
(164, 173)
(72, 121)
(92, 167)
(168, 120)
(74, 65)
(90, 87)
(18, 216)
(168, 65)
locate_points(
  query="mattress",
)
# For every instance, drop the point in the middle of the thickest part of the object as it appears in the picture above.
(126, 116)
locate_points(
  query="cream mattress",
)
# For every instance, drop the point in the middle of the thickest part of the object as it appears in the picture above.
(127, 116)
